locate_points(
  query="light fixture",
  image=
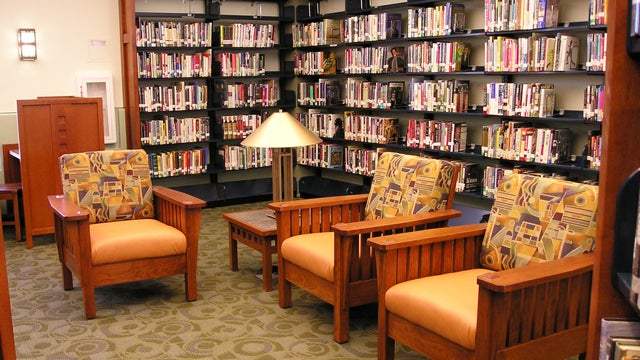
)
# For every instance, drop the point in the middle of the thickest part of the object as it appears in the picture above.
(27, 44)
(281, 132)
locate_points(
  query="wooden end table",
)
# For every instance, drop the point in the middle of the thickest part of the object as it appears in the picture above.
(257, 230)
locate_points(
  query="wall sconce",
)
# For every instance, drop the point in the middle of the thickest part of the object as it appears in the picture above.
(27, 44)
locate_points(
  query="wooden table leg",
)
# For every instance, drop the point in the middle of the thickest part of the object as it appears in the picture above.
(233, 250)
(267, 265)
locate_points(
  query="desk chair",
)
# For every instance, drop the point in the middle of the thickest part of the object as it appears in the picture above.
(11, 193)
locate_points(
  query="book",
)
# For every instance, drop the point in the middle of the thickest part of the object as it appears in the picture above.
(333, 31)
(613, 328)
(396, 94)
(329, 62)
(396, 60)
(335, 156)
(566, 54)
(626, 348)
(393, 25)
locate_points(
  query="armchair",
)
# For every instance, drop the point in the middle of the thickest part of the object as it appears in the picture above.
(322, 243)
(112, 226)
(517, 287)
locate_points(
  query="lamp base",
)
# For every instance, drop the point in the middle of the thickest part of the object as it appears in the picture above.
(282, 173)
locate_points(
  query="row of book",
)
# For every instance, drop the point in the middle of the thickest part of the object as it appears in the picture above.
(372, 27)
(519, 99)
(239, 126)
(238, 157)
(369, 60)
(373, 94)
(173, 97)
(593, 109)
(510, 15)
(450, 95)
(437, 135)
(319, 122)
(249, 34)
(370, 129)
(361, 161)
(319, 33)
(439, 20)
(438, 56)
(596, 52)
(240, 63)
(152, 65)
(320, 93)
(493, 175)
(172, 130)
(534, 53)
(597, 12)
(240, 95)
(172, 34)
(594, 149)
(315, 63)
(515, 140)
(179, 162)
(324, 155)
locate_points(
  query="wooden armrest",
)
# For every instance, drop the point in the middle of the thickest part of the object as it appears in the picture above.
(67, 209)
(178, 197)
(317, 202)
(395, 222)
(536, 274)
(421, 237)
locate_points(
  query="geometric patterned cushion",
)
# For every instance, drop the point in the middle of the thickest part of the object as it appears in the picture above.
(538, 219)
(408, 184)
(111, 185)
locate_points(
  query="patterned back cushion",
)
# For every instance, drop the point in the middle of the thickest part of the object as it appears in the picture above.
(408, 184)
(110, 185)
(535, 219)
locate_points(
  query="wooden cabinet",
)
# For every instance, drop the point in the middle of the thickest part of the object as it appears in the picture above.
(7, 343)
(47, 128)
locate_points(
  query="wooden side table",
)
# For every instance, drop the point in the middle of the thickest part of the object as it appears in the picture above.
(257, 230)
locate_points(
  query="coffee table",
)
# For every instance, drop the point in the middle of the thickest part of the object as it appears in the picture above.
(257, 230)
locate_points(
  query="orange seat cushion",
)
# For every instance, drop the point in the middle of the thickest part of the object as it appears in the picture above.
(119, 241)
(444, 304)
(313, 252)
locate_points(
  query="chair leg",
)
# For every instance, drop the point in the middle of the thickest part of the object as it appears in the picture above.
(284, 287)
(386, 347)
(16, 218)
(340, 323)
(67, 278)
(190, 286)
(89, 300)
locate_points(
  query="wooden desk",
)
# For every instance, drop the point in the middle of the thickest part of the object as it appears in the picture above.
(47, 128)
(258, 231)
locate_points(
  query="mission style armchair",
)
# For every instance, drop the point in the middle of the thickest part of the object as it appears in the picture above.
(112, 226)
(322, 243)
(517, 287)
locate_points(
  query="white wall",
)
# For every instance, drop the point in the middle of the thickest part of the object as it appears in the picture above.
(64, 30)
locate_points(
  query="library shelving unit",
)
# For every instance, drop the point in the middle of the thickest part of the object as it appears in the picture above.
(468, 74)
(190, 68)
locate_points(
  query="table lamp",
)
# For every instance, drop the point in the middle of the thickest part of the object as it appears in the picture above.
(281, 132)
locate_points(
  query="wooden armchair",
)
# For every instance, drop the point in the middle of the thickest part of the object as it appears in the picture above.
(112, 226)
(322, 243)
(464, 292)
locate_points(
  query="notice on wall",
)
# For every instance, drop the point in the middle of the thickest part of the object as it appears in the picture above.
(97, 50)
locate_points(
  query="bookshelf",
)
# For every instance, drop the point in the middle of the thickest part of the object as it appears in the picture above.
(190, 70)
(454, 93)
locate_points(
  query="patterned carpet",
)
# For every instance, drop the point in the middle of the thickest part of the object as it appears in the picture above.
(232, 318)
